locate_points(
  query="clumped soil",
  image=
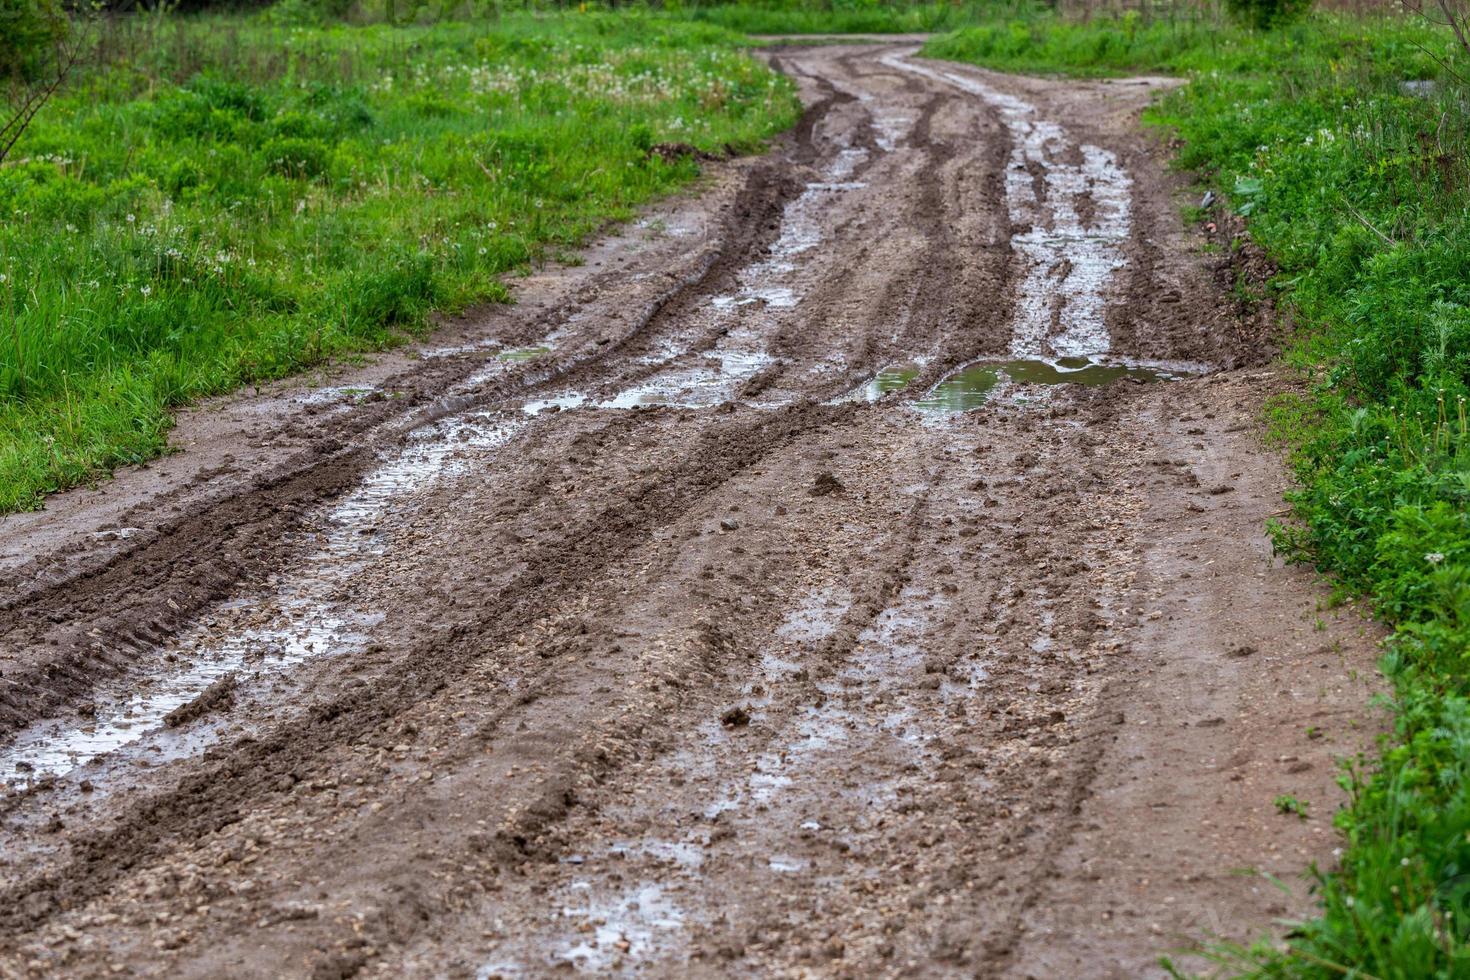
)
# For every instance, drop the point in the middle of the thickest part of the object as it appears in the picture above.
(707, 664)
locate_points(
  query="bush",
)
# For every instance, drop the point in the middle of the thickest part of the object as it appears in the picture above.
(1265, 14)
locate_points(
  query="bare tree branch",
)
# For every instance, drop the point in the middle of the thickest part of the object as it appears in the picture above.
(1455, 18)
(27, 98)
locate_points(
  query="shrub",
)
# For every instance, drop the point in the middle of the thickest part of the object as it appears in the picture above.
(1264, 14)
(295, 157)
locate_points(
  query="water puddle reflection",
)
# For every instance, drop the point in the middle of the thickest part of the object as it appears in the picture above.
(892, 378)
(972, 385)
(520, 354)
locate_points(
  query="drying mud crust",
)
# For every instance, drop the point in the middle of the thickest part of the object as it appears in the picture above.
(854, 568)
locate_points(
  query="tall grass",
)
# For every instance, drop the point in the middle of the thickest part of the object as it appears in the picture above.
(1346, 143)
(844, 16)
(221, 200)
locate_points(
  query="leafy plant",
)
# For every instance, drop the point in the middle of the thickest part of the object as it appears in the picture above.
(1264, 14)
(1287, 803)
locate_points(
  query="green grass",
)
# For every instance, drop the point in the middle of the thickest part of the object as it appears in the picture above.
(1359, 190)
(230, 200)
(841, 16)
(1189, 46)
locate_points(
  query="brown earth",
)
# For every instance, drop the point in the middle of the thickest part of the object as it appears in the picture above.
(760, 676)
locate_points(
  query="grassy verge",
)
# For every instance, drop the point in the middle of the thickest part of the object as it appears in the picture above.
(1345, 143)
(842, 16)
(226, 200)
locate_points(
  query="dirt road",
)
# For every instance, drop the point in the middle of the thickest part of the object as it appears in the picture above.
(852, 569)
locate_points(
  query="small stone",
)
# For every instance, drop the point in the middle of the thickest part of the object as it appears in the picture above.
(736, 717)
(825, 484)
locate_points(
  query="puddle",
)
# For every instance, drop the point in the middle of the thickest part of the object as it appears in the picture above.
(816, 617)
(628, 925)
(674, 226)
(559, 402)
(764, 288)
(333, 394)
(887, 657)
(890, 379)
(681, 853)
(712, 379)
(503, 360)
(971, 386)
(705, 385)
(116, 534)
(519, 354)
(777, 296)
(453, 350)
(488, 344)
(846, 163)
(433, 452)
(891, 129)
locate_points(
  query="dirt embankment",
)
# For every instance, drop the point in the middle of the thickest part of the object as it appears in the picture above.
(854, 569)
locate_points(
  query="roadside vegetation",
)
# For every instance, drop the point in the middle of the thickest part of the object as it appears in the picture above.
(1343, 140)
(214, 200)
(842, 16)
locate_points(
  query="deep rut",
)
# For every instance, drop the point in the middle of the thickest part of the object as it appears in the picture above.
(766, 595)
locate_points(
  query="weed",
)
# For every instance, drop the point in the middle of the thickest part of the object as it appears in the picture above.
(221, 200)
(842, 16)
(1286, 803)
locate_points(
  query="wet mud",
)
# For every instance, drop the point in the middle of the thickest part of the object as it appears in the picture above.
(843, 571)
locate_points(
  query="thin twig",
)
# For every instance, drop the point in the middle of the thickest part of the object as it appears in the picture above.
(36, 97)
(1455, 24)
(1368, 224)
(1438, 60)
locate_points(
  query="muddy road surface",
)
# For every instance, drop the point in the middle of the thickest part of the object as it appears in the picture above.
(853, 568)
